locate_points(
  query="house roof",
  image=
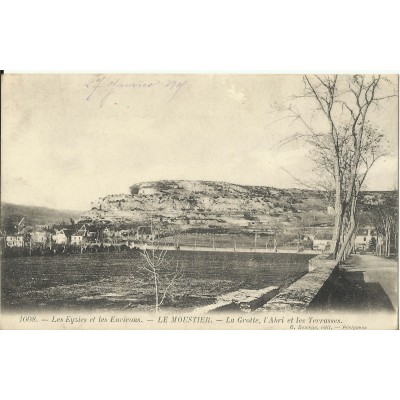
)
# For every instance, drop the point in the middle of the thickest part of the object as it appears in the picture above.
(363, 231)
(26, 229)
(67, 232)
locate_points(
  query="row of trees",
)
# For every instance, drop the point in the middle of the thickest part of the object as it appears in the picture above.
(332, 115)
(382, 214)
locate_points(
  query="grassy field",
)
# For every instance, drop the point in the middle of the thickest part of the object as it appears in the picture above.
(119, 280)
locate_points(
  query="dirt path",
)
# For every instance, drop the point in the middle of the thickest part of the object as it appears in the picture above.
(376, 270)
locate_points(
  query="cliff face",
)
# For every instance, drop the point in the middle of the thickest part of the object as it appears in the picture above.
(207, 204)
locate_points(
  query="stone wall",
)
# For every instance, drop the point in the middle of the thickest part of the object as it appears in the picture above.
(302, 293)
(319, 260)
(241, 300)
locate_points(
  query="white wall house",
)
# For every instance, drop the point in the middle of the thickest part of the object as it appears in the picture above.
(322, 242)
(15, 241)
(39, 237)
(79, 237)
(63, 236)
(363, 237)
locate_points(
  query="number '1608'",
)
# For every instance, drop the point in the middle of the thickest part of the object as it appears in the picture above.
(27, 319)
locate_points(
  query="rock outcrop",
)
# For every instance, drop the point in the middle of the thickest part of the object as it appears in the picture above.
(204, 204)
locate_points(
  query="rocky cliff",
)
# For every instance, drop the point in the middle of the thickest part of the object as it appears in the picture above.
(202, 204)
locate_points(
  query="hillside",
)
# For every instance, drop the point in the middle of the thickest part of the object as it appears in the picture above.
(199, 206)
(35, 215)
(205, 204)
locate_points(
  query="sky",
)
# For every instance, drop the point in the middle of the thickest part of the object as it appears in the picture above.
(69, 139)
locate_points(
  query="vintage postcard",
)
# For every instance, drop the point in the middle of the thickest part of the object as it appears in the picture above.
(199, 201)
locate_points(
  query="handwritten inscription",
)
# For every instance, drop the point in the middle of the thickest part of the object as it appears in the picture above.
(103, 88)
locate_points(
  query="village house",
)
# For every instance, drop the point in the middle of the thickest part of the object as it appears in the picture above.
(79, 237)
(63, 236)
(17, 240)
(90, 234)
(363, 237)
(322, 242)
(39, 238)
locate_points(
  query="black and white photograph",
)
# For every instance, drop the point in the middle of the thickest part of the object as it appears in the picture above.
(199, 201)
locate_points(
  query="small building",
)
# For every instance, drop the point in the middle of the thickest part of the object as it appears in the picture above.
(144, 189)
(63, 236)
(148, 190)
(322, 242)
(17, 240)
(79, 237)
(363, 238)
(39, 237)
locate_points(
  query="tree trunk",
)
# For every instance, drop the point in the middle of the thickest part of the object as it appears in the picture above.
(347, 239)
(338, 215)
(343, 231)
(156, 290)
(386, 241)
(349, 230)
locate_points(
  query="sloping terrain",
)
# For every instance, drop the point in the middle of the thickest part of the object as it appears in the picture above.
(205, 204)
(200, 205)
(13, 213)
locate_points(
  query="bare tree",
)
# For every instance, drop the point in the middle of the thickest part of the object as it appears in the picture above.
(382, 213)
(345, 145)
(160, 268)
